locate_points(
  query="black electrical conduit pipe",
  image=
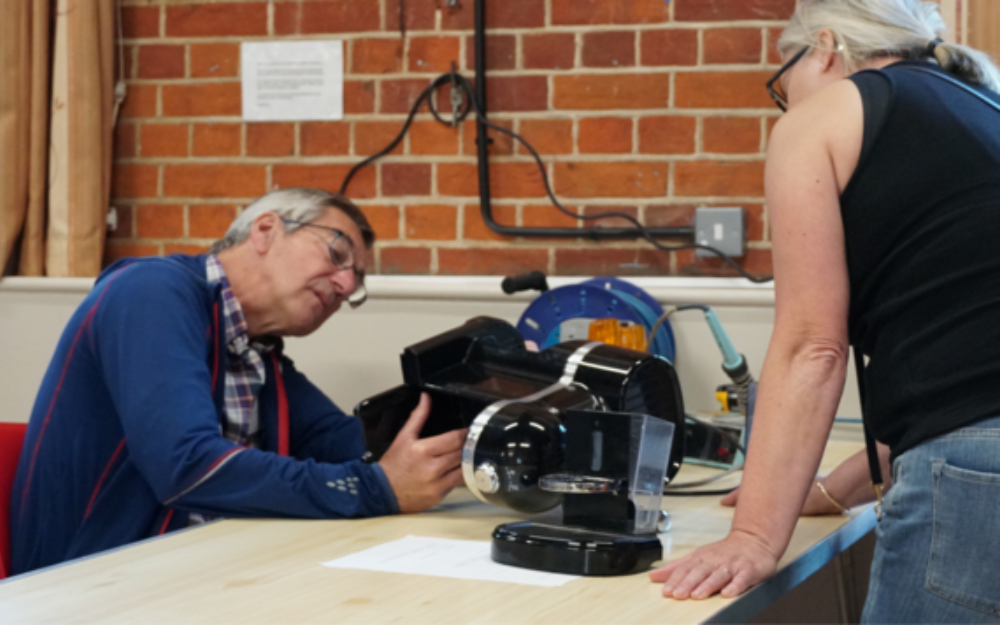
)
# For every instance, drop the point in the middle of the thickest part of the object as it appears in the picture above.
(482, 150)
(475, 99)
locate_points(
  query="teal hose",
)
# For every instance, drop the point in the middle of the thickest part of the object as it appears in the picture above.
(730, 357)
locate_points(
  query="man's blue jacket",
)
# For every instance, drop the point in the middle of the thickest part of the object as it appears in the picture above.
(124, 439)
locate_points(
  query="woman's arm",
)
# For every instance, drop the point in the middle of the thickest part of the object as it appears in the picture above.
(849, 485)
(804, 371)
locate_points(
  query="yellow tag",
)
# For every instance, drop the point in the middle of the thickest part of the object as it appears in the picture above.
(723, 398)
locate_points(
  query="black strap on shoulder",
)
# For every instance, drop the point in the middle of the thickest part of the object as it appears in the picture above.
(961, 85)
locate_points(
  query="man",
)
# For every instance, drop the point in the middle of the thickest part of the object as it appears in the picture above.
(168, 399)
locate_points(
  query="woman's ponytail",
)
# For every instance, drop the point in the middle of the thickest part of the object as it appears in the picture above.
(968, 64)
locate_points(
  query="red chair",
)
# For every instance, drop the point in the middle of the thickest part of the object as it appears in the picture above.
(11, 441)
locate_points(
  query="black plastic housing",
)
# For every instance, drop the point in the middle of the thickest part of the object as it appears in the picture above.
(573, 551)
(633, 382)
(470, 367)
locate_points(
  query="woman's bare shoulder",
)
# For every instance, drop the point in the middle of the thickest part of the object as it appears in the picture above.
(832, 118)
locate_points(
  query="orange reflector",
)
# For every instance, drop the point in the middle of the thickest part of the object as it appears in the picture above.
(614, 332)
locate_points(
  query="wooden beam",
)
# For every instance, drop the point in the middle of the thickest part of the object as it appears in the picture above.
(950, 10)
(984, 26)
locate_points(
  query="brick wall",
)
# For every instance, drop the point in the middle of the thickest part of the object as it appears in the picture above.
(644, 106)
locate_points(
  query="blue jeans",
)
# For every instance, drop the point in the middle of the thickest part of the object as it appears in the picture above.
(937, 559)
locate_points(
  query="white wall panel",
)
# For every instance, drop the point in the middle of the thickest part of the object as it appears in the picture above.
(356, 354)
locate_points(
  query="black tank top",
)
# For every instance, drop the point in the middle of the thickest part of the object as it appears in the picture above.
(922, 228)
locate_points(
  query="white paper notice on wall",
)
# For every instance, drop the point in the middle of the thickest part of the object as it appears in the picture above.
(292, 80)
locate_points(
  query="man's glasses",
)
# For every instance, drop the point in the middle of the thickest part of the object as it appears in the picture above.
(774, 84)
(342, 256)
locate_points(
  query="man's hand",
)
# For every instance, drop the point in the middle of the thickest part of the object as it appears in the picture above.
(422, 471)
(732, 565)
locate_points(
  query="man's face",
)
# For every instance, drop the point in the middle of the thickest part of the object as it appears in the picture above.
(308, 287)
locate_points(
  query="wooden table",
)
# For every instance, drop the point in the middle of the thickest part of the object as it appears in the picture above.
(268, 571)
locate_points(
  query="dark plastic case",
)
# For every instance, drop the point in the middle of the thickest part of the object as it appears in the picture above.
(574, 551)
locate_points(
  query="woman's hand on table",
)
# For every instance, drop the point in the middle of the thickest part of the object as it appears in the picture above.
(730, 567)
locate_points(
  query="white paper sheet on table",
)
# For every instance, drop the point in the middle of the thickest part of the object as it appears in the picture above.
(441, 557)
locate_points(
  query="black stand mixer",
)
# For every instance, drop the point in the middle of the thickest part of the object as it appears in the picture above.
(585, 425)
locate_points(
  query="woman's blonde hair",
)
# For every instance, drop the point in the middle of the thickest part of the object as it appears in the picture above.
(868, 29)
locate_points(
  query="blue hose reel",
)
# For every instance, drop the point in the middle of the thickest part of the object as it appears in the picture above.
(598, 298)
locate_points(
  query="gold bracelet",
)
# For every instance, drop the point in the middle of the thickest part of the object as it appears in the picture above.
(823, 490)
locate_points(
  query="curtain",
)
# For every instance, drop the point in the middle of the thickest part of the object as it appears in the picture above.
(983, 31)
(56, 122)
(24, 75)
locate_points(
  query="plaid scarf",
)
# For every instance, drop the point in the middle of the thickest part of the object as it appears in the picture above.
(245, 373)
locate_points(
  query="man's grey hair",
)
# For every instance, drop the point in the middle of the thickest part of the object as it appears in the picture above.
(297, 204)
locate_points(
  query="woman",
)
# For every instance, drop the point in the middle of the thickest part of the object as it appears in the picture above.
(883, 186)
